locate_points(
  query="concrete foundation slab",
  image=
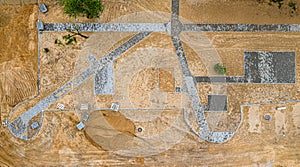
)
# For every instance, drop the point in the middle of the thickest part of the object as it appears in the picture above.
(104, 80)
(270, 67)
(217, 102)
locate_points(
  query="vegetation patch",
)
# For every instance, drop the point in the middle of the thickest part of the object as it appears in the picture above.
(71, 37)
(86, 8)
(220, 69)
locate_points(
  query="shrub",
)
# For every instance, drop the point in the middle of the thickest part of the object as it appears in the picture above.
(58, 42)
(220, 69)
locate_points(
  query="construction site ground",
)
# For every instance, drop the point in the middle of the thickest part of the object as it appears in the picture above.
(149, 83)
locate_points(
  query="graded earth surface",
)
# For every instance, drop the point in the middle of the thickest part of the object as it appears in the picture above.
(149, 129)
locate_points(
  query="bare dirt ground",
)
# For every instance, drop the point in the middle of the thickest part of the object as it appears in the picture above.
(256, 143)
(18, 55)
(236, 11)
(113, 9)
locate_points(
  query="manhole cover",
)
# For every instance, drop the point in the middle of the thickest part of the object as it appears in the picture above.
(139, 129)
(267, 117)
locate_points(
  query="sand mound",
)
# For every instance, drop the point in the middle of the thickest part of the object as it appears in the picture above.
(110, 130)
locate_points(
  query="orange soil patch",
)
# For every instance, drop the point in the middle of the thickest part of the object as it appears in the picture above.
(110, 130)
(166, 80)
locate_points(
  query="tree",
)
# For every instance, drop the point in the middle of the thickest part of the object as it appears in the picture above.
(87, 8)
(76, 32)
(220, 69)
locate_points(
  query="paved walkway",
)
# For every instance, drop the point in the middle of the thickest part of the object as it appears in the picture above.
(174, 28)
(162, 27)
(220, 79)
(241, 27)
(190, 84)
(106, 27)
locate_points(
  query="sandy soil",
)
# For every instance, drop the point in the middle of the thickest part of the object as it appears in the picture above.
(231, 54)
(236, 11)
(18, 58)
(257, 142)
(114, 131)
(113, 9)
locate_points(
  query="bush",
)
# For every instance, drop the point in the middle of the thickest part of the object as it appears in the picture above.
(87, 8)
(220, 69)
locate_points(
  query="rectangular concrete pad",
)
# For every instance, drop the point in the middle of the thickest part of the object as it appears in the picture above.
(217, 102)
(211, 79)
(270, 67)
(104, 80)
(220, 79)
